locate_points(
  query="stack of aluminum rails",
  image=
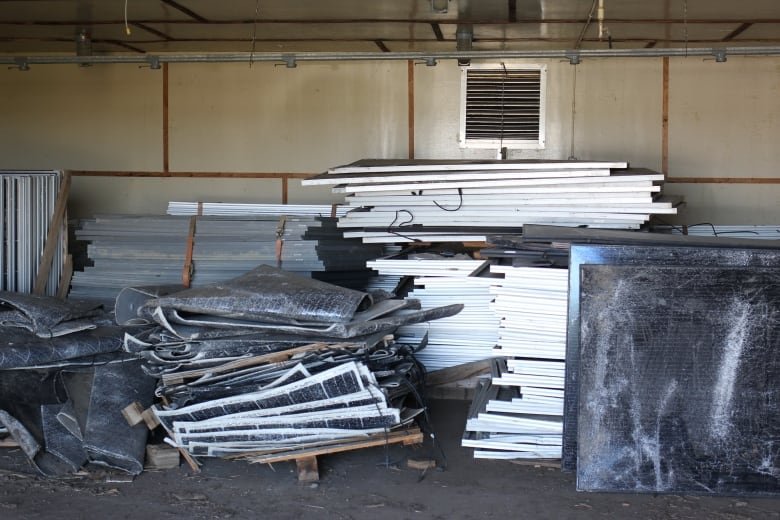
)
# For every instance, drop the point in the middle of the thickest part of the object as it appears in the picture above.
(469, 336)
(440, 201)
(766, 232)
(152, 250)
(27, 200)
(234, 208)
(519, 412)
(330, 244)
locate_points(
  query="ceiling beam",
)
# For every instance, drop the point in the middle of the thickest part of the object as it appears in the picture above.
(647, 41)
(381, 45)
(307, 21)
(122, 44)
(736, 32)
(437, 31)
(186, 10)
(151, 30)
(512, 11)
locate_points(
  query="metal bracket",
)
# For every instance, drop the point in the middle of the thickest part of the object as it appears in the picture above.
(720, 55)
(21, 64)
(154, 62)
(573, 57)
(289, 61)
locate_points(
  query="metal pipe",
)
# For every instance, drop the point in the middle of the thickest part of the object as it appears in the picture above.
(373, 56)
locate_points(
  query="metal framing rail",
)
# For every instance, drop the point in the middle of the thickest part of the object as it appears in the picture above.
(430, 58)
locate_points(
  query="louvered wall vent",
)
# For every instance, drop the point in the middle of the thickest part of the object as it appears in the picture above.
(502, 107)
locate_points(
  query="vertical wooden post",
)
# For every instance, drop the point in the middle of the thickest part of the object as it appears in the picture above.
(166, 165)
(665, 120)
(410, 94)
(284, 189)
(52, 235)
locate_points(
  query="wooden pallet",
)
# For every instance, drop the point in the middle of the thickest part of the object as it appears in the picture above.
(306, 459)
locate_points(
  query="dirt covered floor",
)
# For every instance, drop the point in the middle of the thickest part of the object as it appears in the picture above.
(353, 485)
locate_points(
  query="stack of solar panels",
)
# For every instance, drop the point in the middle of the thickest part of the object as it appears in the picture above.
(153, 250)
(518, 413)
(27, 201)
(469, 336)
(438, 201)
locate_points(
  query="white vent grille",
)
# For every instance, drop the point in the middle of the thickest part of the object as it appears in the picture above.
(503, 107)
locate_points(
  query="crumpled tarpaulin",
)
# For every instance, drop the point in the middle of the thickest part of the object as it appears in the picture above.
(270, 295)
(22, 349)
(271, 300)
(44, 316)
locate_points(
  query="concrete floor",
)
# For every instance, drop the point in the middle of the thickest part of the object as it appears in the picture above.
(353, 485)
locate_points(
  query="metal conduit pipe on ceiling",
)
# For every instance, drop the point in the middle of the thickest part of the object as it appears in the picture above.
(720, 53)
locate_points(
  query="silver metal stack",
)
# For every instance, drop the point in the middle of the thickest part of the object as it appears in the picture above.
(27, 200)
(153, 250)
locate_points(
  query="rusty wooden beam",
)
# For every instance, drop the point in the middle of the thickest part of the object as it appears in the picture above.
(214, 175)
(665, 118)
(410, 106)
(165, 119)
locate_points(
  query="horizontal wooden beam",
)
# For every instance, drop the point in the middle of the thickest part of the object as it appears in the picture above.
(723, 180)
(206, 175)
(248, 40)
(476, 21)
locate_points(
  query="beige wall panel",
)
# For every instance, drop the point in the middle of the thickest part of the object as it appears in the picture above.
(728, 203)
(297, 194)
(437, 113)
(106, 117)
(618, 111)
(133, 195)
(230, 117)
(724, 118)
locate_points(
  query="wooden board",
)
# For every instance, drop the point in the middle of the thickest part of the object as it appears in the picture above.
(306, 459)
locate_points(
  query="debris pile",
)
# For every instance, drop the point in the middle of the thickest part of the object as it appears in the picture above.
(63, 383)
(273, 362)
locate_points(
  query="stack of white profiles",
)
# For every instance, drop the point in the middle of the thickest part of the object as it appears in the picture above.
(440, 201)
(518, 412)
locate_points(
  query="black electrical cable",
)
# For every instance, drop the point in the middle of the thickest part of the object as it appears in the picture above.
(460, 202)
(411, 219)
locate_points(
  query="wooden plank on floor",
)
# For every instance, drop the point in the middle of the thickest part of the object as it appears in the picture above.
(405, 437)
